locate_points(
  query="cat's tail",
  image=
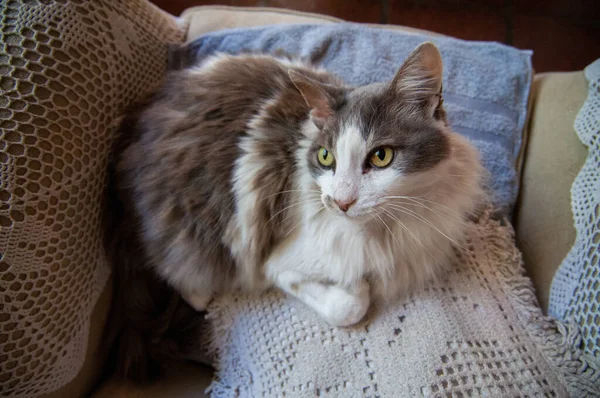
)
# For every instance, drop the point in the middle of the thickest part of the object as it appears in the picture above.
(148, 323)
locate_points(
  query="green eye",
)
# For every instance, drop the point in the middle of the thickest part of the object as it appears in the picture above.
(325, 157)
(382, 157)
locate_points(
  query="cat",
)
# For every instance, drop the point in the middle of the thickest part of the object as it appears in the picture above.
(245, 172)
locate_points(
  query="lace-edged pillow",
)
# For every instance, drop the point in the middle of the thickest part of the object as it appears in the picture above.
(67, 71)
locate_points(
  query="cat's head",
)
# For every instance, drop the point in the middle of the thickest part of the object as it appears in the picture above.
(374, 142)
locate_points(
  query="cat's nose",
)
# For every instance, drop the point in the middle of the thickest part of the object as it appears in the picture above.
(344, 205)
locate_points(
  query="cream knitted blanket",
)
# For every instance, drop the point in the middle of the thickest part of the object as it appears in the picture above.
(477, 332)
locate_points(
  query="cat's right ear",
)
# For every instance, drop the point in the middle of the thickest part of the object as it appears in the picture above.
(320, 102)
(419, 80)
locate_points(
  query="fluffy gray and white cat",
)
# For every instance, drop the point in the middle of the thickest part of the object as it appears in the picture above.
(251, 171)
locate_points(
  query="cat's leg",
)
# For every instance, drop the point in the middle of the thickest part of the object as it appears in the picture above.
(197, 286)
(196, 300)
(337, 305)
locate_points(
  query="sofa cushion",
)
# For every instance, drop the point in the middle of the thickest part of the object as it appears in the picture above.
(553, 157)
(204, 19)
(95, 357)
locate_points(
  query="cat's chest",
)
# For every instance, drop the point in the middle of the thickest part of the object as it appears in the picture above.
(347, 251)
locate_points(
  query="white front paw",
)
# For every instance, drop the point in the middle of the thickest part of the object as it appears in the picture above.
(344, 308)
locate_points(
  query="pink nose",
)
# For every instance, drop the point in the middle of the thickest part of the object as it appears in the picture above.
(344, 205)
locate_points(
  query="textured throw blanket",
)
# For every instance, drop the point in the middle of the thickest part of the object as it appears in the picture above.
(479, 332)
(486, 85)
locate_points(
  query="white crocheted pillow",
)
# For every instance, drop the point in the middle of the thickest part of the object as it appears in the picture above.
(575, 293)
(478, 332)
(67, 70)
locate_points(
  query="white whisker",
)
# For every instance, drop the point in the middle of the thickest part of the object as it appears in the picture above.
(417, 198)
(421, 218)
(415, 238)
(296, 211)
(308, 191)
(388, 228)
(444, 217)
(318, 212)
(298, 203)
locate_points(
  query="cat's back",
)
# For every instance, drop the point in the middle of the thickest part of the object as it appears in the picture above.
(233, 87)
(194, 122)
(214, 101)
(199, 136)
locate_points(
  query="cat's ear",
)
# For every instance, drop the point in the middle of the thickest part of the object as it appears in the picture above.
(317, 97)
(419, 80)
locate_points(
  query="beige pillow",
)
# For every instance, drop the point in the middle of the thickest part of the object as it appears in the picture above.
(67, 70)
(553, 157)
(575, 293)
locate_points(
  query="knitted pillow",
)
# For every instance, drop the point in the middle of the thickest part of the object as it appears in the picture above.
(478, 332)
(575, 292)
(67, 70)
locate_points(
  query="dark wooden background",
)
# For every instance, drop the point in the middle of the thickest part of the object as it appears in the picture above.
(564, 34)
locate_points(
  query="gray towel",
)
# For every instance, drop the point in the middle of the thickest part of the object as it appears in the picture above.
(486, 85)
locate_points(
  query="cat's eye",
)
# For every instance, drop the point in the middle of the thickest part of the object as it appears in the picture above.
(325, 157)
(382, 157)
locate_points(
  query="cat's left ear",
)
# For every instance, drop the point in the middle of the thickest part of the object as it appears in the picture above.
(419, 80)
(317, 97)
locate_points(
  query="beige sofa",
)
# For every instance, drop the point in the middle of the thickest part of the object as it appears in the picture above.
(549, 162)
(551, 158)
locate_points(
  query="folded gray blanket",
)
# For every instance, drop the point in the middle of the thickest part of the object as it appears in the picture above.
(486, 85)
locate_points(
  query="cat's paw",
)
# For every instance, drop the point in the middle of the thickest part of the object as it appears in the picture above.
(344, 308)
(197, 301)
